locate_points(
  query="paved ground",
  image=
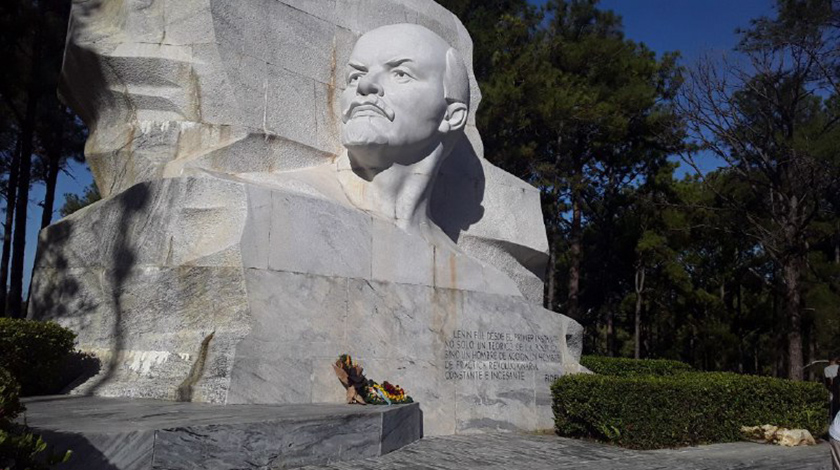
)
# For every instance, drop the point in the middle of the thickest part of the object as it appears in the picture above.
(538, 452)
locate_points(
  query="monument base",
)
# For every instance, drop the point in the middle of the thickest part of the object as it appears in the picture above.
(132, 434)
(225, 292)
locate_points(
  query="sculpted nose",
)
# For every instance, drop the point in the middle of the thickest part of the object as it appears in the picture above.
(368, 85)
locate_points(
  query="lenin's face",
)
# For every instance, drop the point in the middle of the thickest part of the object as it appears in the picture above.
(394, 102)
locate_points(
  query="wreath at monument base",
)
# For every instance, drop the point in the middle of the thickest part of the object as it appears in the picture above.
(363, 391)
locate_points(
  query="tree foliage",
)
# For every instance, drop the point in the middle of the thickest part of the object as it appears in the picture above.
(38, 134)
(716, 269)
(772, 116)
(736, 269)
(74, 202)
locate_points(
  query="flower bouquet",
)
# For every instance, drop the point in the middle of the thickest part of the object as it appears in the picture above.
(363, 391)
(385, 394)
(352, 376)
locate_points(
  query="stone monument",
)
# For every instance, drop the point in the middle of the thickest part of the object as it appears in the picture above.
(285, 181)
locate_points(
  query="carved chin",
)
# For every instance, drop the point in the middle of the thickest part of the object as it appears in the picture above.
(361, 132)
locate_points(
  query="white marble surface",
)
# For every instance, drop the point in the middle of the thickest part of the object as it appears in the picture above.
(278, 322)
(173, 88)
(240, 249)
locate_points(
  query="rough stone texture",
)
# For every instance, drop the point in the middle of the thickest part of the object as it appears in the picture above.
(228, 263)
(145, 300)
(504, 451)
(109, 434)
(173, 87)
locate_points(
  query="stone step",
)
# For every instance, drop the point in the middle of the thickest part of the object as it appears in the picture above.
(139, 434)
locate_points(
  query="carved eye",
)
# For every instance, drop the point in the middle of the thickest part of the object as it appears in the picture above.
(402, 75)
(353, 78)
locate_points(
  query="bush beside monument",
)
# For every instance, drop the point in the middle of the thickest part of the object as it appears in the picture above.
(665, 405)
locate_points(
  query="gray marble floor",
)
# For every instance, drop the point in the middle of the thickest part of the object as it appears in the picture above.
(538, 452)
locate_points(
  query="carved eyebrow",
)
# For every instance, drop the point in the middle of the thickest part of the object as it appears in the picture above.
(357, 66)
(397, 62)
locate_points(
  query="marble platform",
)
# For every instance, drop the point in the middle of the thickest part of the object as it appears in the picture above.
(133, 434)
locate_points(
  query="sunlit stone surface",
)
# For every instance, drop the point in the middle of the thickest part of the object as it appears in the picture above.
(287, 181)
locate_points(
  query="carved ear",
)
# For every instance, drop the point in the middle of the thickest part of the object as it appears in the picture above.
(455, 118)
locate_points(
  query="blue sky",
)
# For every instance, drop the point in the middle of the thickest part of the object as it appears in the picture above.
(689, 26)
(692, 27)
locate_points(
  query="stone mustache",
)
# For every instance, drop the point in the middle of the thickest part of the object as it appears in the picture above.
(268, 207)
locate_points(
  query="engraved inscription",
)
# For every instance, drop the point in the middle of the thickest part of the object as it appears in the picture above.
(497, 355)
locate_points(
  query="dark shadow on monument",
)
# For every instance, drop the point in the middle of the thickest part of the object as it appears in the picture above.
(130, 202)
(50, 301)
(113, 237)
(58, 294)
(458, 191)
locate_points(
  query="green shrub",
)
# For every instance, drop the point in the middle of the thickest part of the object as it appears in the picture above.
(34, 352)
(691, 408)
(10, 405)
(622, 367)
(19, 446)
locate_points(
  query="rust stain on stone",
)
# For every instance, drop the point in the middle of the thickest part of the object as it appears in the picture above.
(453, 271)
(185, 390)
(331, 88)
(121, 157)
(196, 93)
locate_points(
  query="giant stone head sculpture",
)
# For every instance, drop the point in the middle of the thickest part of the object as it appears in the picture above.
(266, 209)
(407, 92)
(176, 89)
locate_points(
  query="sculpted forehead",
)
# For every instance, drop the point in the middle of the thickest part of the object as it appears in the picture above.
(401, 41)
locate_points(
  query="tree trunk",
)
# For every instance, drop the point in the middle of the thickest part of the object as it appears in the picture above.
(53, 167)
(611, 333)
(692, 345)
(11, 193)
(49, 194)
(16, 276)
(740, 330)
(812, 348)
(640, 286)
(792, 273)
(575, 235)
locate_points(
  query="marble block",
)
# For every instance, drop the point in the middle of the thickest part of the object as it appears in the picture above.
(256, 316)
(123, 434)
(171, 88)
